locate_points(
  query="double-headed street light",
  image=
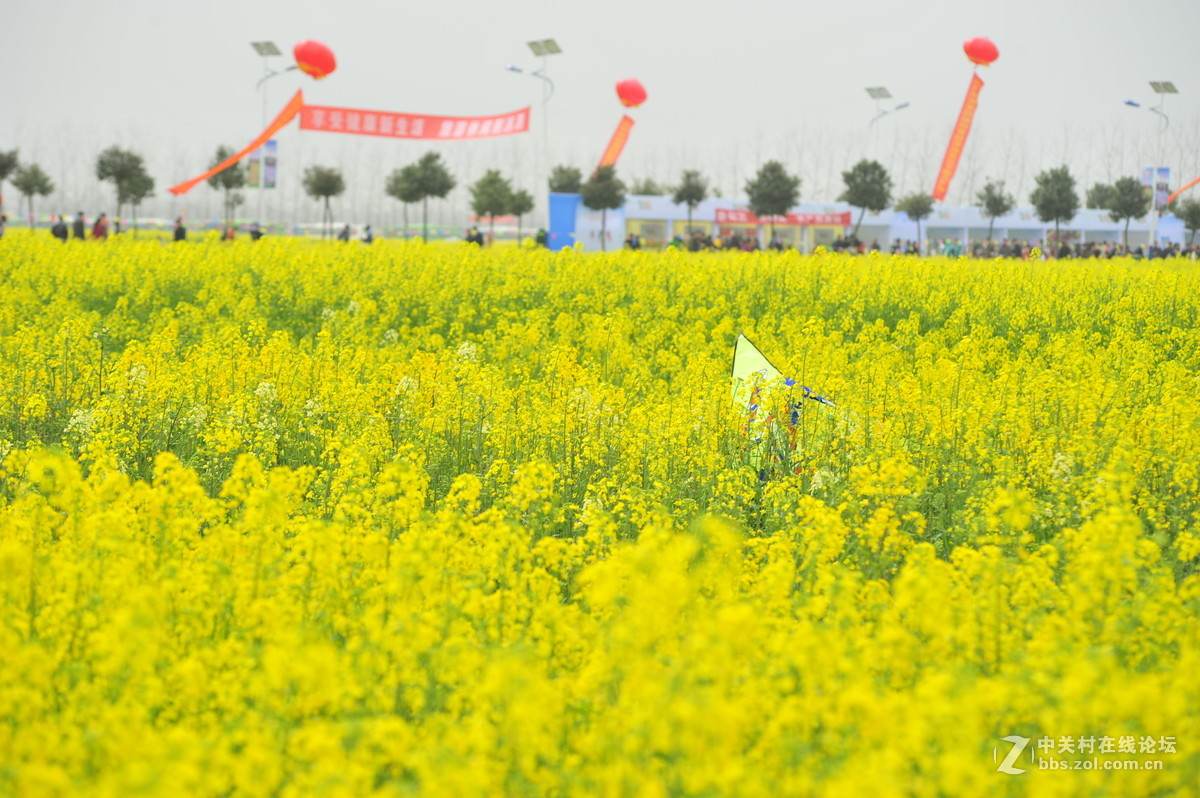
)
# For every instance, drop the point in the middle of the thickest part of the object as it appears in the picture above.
(878, 93)
(266, 50)
(542, 48)
(1162, 88)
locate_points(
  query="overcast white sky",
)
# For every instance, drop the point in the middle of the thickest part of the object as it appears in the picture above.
(731, 84)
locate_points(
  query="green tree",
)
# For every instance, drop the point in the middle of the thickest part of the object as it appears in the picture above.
(917, 207)
(138, 187)
(32, 182)
(228, 181)
(603, 192)
(692, 190)
(322, 183)
(398, 187)
(521, 203)
(647, 187)
(1055, 199)
(994, 202)
(566, 180)
(121, 168)
(8, 164)
(868, 187)
(1100, 195)
(773, 191)
(1130, 200)
(1189, 212)
(428, 177)
(491, 195)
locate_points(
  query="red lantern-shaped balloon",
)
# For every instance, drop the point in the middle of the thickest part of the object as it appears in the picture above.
(631, 92)
(981, 50)
(314, 58)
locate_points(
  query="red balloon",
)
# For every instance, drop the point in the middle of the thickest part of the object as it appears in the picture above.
(631, 92)
(981, 50)
(314, 58)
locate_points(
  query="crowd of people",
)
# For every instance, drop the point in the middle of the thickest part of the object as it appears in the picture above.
(99, 229)
(949, 247)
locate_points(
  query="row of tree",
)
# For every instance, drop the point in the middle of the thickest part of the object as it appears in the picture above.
(124, 169)
(427, 178)
(773, 192)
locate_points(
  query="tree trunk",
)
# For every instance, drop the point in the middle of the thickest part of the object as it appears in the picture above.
(603, 226)
(519, 216)
(135, 220)
(689, 227)
(425, 220)
(920, 242)
(491, 229)
(772, 241)
(991, 224)
(406, 221)
(861, 214)
(1127, 232)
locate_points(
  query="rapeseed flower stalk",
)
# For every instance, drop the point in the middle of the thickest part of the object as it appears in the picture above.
(296, 519)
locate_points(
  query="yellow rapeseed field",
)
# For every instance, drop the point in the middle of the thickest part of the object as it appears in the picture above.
(302, 519)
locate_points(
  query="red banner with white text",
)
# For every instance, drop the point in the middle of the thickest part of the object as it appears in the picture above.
(411, 126)
(738, 216)
(958, 139)
(617, 143)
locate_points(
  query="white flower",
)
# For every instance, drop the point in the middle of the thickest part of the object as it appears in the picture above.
(81, 422)
(390, 336)
(197, 417)
(353, 307)
(328, 313)
(467, 352)
(265, 391)
(1062, 466)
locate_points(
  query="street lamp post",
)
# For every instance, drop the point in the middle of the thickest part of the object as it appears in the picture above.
(1162, 88)
(878, 93)
(542, 48)
(266, 50)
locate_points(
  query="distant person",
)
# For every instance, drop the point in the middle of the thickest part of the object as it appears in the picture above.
(3, 224)
(180, 230)
(59, 230)
(255, 232)
(117, 226)
(344, 235)
(541, 237)
(79, 229)
(100, 228)
(368, 236)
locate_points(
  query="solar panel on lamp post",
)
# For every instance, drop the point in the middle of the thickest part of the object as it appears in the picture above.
(266, 50)
(878, 93)
(1162, 88)
(542, 48)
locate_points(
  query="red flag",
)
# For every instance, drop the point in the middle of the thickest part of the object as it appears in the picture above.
(617, 143)
(286, 115)
(958, 139)
(1172, 198)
